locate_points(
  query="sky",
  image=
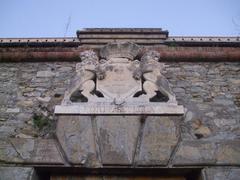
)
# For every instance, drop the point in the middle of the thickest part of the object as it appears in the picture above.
(62, 18)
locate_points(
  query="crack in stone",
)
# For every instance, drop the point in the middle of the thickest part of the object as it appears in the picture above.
(96, 139)
(14, 147)
(174, 151)
(176, 147)
(139, 140)
(61, 151)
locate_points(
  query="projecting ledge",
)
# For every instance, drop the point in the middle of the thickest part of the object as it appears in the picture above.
(126, 109)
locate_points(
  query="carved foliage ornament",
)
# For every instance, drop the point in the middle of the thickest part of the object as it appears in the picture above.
(119, 83)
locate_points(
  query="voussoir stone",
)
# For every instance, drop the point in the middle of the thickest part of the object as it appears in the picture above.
(159, 137)
(30, 151)
(46, 152)
(195, 153)
(76, 136)
(228, 152)
(117, 137)
(24, 147)
(8, 153)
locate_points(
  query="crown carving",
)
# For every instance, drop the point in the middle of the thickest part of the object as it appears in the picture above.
(120, 50)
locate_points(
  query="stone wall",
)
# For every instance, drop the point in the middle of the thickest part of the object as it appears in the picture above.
(209, 91)
(29, 89)
(208, 134)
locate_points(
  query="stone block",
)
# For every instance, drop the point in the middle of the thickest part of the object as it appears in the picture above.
(117, 137)
(224, 122)
(159, 137)
(16, 173)
(24, 147)
(224, 102)
(65, 69)
(195, 153)
(44, 100)
(13, 110)
(222, 173)
(8, 153)
(228, 152)
(46, 152)
(45, 74)
(115, 50)
(225, 152)
(30, 151)
(76, 136)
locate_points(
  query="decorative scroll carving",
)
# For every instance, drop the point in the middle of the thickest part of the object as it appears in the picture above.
(119, 83)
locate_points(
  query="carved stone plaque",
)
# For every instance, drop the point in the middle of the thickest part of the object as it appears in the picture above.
(127, 109)
(119, 83)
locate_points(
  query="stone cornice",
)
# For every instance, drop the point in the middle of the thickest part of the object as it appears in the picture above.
(100, 40)
(168, 53)
(177, 48)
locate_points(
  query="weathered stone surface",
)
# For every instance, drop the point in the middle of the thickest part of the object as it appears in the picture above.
(220, 81)
(159, 137)
(76, 136)
(17, 173)
(117, 138)
(118, 50)
(13, 110)
(224, 102)
(65, 69)
(228, 152)
(30, 151)
(225, 152)
(195, 153)
(45, 74)
(224, 122)
(46, 152)
(210, 92)
(222, 173)
(24, 136)
(8, 153)
(22, 94)
(109, 108)
(199, 129)
(44, 100)
(24, 147)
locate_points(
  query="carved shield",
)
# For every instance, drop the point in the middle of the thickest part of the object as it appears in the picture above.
(119, 83)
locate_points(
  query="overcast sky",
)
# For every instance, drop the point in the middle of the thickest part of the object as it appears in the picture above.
(59, 18)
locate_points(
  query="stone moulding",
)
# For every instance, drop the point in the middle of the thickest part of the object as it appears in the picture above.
(118, 82)
(128, 109)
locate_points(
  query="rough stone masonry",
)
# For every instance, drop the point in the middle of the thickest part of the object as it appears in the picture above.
(204, 76)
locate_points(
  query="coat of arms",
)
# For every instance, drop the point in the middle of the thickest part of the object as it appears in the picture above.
(119, 81)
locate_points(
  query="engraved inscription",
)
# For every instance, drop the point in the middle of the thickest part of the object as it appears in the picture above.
(104, 108)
